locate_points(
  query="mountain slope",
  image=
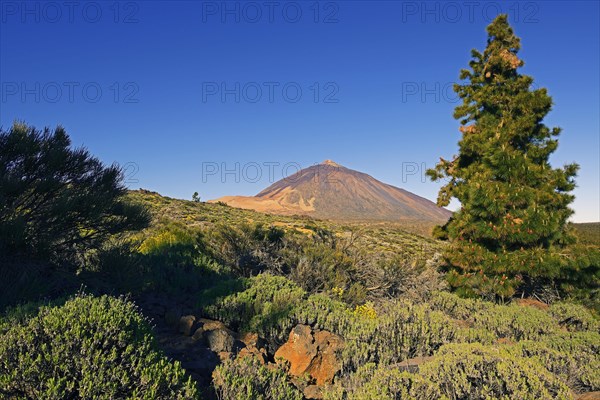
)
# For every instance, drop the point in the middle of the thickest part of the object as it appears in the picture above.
(331, 191)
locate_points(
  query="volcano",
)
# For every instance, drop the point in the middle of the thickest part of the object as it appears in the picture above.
(332, 191)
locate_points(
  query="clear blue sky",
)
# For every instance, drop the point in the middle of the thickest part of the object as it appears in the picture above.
(381, 103)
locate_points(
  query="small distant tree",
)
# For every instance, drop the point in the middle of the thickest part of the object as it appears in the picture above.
(196, 197)
(56, 201)
(512, 223)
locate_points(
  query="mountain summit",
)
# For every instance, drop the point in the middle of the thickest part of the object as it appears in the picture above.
(330, 162)
(332, 191)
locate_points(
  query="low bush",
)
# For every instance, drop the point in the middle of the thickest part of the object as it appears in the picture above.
(266, 306)
(321, 262)
(584, 349)
(409, 277)
(457, 307)
(172, 243)
(578, 370)
(247, 249)
(271, 306)
(91, 347)
(473, 371)
(373, 382)
(168, 258)
(504, 321)
(401, 330)
(246, 378)
(458, 371)
(515, 322)
(574, 317)
(575, 342)
(18, 314)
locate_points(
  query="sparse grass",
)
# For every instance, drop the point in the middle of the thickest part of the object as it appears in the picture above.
(382, 238)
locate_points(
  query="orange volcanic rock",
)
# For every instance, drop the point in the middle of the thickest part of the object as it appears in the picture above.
(310, 354)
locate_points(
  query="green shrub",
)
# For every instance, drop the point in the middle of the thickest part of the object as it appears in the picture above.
(574, 317)
(245, 378)
(320, 263)
(272, 306)
(473, 371)
(512, 321)
(19, 314)
(168, 258)
(457, 307)
(266, 306)
(57, 202)
(584, 349)
(575, 342)
(408, 276)
(458, 371)
(372, 382)
(212, 298)
(247, 249)
(88, 348)
(23, 281)
(173, 243)
(515, 322)
(578, 370)
(401, 330)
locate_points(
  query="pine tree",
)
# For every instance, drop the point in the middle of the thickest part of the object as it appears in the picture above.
(56, 202)
(512, 225)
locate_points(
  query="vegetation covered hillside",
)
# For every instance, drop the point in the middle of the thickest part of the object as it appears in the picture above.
(107, 293)
(589, 233)
(386, 238)
(377, 288)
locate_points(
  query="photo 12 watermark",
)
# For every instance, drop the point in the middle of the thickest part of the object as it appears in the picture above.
(69, 92)
(413, 170)
(452, 12)
(292, 172)
(254, 12)
(272, 171)
(424, 92)
(52, 12)
(270, 92)
(434, 92)
(130, 171)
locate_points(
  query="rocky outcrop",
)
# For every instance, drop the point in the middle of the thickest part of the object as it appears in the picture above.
(326, 364)
(219, 340)
(299, 350)
(253, 351)
(252, 340)
(186, 323)
(312, 392)
(201, 344)
(311, 353)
